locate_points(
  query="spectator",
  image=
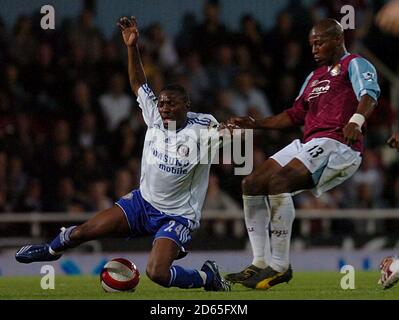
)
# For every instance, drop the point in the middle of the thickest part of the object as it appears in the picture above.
(216, 199)
(23, 45)
(14, 87)
(184, 42)
(161, 47)
(224, 70)
(211, 33)
(17, 178)
(88, 169)
(197, 77)
(122, 183)
(369, 177)
(248, 99)
(246, 63)
(222, 109)
(31, 199)
(98, 195)
(116, 105)
(89, 135)
(4, 205)
(83, 33)
(251, 36)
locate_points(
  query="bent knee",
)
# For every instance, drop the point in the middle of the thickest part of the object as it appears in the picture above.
(278, 183)
(252, 186)
(159, 275)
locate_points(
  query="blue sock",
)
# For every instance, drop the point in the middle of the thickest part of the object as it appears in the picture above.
(185, 278)
(209, 278)
(63, 241)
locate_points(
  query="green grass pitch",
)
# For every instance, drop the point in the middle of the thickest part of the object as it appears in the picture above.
(304, 285)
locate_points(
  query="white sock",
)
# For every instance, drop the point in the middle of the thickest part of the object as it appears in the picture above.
(257, 219)
(283, 211)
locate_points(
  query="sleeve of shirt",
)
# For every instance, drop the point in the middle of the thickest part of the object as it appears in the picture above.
(220, 138)
(148, 104)
(211, 132)
(363, 77)
(298, 111)
(211, 137)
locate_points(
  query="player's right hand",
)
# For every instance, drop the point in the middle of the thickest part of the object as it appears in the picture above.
(242, 123)
(393, 141)
(130, 32)
(352, 133)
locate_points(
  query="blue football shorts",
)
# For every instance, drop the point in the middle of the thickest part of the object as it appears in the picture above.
(144, 219)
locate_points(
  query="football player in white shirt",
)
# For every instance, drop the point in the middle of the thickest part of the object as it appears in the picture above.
(173, 185)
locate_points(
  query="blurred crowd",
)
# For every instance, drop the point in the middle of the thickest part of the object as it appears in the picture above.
(71, 133)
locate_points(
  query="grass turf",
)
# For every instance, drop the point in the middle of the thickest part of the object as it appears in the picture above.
(305, 285)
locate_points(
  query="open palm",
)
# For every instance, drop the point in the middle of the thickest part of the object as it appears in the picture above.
(129, 30)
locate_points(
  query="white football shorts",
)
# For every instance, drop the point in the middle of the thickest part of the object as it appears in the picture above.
(329, 161)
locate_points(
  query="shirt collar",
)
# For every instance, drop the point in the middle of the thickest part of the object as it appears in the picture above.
(346, 53)
(180, 129)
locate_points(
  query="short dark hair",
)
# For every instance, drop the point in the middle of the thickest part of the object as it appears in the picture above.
(180, 90)
(330, 27)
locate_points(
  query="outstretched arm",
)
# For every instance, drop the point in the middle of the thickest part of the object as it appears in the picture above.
(279, 121)
(130, 34)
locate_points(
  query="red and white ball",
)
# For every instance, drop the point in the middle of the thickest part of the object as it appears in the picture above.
(119, 275)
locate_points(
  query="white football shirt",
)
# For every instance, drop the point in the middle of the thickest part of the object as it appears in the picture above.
(174, 170)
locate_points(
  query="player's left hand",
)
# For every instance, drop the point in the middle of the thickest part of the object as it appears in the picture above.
(393, 141)
(227, 126)
(246, 122)
(226, 129)
(352, 133)
(129, 29)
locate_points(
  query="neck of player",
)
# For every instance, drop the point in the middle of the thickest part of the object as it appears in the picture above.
(338, 56)
(179, 124)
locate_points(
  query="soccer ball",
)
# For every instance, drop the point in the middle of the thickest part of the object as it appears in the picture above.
(389, 269)
(119, 275)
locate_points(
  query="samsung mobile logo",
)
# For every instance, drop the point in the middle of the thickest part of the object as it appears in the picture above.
(322, 87)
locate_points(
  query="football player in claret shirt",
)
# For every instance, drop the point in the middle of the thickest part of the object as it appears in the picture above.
(173, 185)
(333, 105)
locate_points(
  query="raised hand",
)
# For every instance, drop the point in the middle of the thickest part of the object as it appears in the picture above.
(130, 32)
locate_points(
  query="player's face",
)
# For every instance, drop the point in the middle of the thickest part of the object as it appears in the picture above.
(172, 107)
(323, 46)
